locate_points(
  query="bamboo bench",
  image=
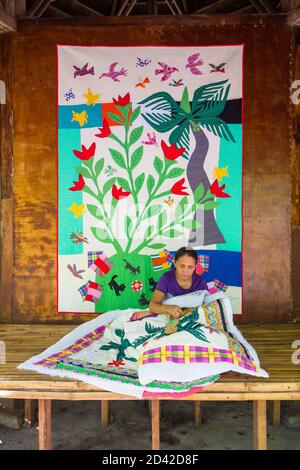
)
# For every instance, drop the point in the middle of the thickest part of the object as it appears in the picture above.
(273, 344)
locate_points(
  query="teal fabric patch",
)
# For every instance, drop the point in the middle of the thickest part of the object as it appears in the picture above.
(85, 117)
(229, 213)
(68, 140)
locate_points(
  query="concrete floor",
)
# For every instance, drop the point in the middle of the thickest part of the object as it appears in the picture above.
(76, 425)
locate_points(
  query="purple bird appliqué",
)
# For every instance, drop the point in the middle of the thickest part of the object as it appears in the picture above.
(194, 61)
(80, 71)
(114, 74)
(165, 70)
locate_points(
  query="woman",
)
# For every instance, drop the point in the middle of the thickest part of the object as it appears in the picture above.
(179, 281)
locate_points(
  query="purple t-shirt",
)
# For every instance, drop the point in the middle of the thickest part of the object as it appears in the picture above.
(169, 285)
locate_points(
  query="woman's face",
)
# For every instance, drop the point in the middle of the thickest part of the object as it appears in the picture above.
(185, 266)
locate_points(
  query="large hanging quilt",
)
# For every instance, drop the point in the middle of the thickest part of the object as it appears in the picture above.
(149, 160)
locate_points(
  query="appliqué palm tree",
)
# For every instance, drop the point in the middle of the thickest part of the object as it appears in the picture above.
(120, 347)
(164, 114)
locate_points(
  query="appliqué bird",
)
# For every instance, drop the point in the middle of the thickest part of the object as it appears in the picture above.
(176, 82)
(142, 83)
(114, 74)
(165, 71)
(110, 171)
(78, 237)
(75, 272)
(218, 68)
(80, 71)
(194, 61)
(151, 139)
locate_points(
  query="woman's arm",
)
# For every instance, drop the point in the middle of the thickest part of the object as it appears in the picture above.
(156, 306)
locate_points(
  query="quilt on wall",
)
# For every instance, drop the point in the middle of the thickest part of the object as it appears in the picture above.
(149, 160)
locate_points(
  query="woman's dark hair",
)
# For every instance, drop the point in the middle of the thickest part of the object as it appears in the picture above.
(186, 251)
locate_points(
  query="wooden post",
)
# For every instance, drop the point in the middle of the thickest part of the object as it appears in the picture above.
(45, 433)
(275, 413)
(155, 417)
(29, 413)
(198, 414)
(104, 413)
(259, 425)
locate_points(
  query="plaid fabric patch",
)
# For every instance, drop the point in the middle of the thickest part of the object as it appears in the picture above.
(99, 262)
(137, 316)
(202, 264)
(211, 287)
(169, 257)
(184, 354)
(160, 261)
(92, 256)
(220, 286)
(94, 292)
(79, 345)
(83, 290)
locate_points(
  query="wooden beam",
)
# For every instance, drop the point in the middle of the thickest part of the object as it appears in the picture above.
(289, 5)
(198, 414)
(294, 18)
(87, 8)
(258, 6)
(267, 6)
(189, 20)
(44, 7)
(213, 7)
(35, 7)
(29, 413)
(130, 7)
(122, 7)
(155, 418)
(59, 13)
(20, 8)
(10, 7)
(45, 427)
(114, 7)
(104, 413)
(259, 425)
(169, 3)
(7, 22)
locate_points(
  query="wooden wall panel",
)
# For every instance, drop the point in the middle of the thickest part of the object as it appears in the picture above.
(267, 244)
(6, 182)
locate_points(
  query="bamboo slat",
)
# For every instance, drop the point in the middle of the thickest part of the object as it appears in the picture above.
(272, 343)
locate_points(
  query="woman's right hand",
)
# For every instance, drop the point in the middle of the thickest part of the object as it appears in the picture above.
(175, 311)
